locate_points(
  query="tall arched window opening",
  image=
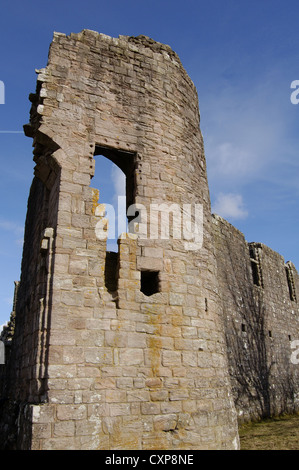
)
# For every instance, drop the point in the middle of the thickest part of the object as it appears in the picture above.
(114, 177)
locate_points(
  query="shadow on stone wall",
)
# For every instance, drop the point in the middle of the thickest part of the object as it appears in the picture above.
(262, 381)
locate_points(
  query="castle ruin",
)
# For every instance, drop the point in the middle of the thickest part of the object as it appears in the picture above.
(162, 345)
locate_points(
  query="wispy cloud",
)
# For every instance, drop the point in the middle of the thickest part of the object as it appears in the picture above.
(13, 227)
(230, 206)
(246, 130)
(231, 160)
(8, 301)
(14, 231)
(119, 181)
(15, 234)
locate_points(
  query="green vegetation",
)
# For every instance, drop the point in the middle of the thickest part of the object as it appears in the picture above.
(281, 433)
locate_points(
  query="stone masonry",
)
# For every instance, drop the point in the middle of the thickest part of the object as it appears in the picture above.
(126, 350)
(261, 316)
(165, 344)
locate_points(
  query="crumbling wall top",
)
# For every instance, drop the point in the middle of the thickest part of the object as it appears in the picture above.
(88, 34)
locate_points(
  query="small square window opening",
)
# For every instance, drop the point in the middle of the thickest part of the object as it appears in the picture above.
(150, 282)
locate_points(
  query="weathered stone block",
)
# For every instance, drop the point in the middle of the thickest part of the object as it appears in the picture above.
(165, 423)
(64, 429)
(71, 412)
(131, 356)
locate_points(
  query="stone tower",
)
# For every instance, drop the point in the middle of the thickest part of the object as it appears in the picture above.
(126, 350)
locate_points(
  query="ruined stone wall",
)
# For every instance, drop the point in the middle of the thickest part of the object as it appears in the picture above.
(98, 360)
(261, 316)
(27, 349)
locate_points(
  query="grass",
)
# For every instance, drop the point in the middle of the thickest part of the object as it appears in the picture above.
(281, 433)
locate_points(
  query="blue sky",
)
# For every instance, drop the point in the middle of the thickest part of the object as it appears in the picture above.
(242, 57)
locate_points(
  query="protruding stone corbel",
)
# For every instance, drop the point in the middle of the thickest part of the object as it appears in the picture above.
(48, 234)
